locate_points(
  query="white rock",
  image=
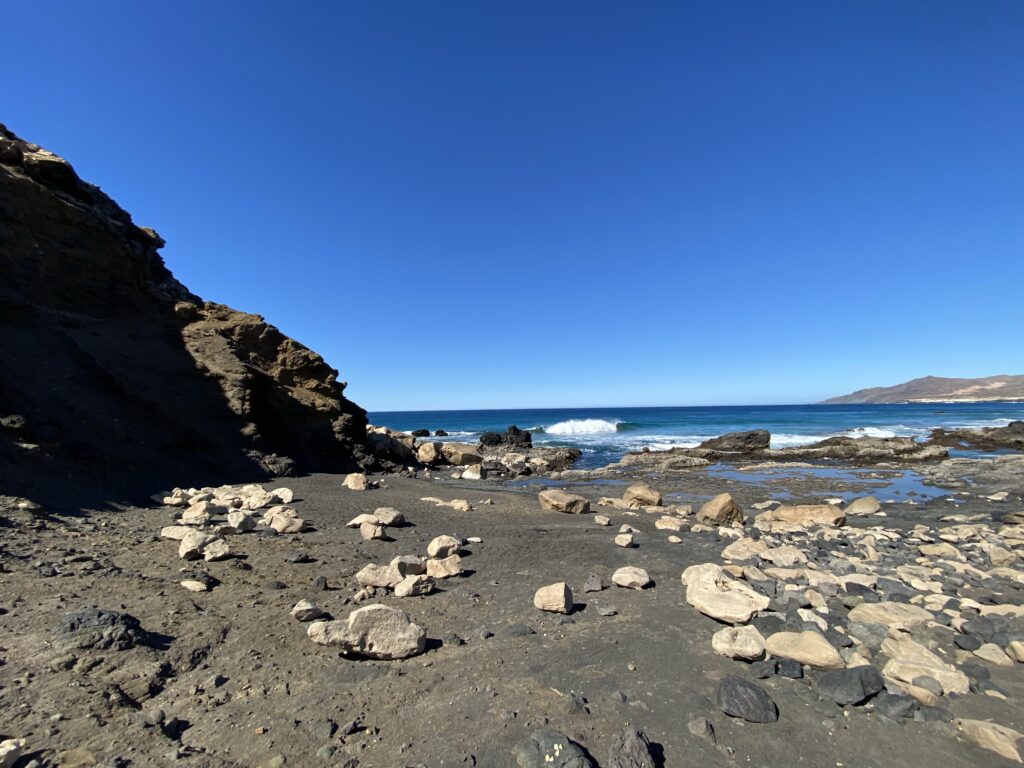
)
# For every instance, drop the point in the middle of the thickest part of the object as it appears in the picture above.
(442, 568)
(556, 598)
(714, 594)
(631, 578)
(739, 643)
(356, 481)
(443, 546)
(193, 544)
(808, 648)
(373, 631)
(307, 610)
(413, 585)
(216, 550)
(625, 540)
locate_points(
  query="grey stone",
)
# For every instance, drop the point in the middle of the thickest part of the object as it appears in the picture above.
(550, 749)
(737, 697)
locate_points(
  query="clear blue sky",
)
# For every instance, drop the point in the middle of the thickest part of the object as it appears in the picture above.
(465, 204)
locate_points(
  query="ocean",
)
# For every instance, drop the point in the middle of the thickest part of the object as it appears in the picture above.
(605, 434)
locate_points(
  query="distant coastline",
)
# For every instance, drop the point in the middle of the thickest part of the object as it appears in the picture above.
(938, 389)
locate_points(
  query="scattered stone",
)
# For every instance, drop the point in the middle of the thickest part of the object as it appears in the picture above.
(744, 643)
(865, 505)
(414, 585)
(556, 598)
(737, 697)
(241, 522)
(379, 576)
(602, 520)
(193, 544)
(595, 583)
(630, 749)
(372, 531)
(10, 751)
(851, 686)
(100, 630)
(443, 568)
(561, 501)
(631, 578)
(712, 593)
(806, 647)
(807, 515)
(995, 738)
(642, 495)
(721, 510)
(356, 481)
(374, 631)
(702, 728)
(625, 540)
(550, 749)
(909, 660)
(216, 550)
(195, 585)
(894, 615)
(443, 546)
(307, 610)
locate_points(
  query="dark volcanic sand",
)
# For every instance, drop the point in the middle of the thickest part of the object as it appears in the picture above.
(650, 665)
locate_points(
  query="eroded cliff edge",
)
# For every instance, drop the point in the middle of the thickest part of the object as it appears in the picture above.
(115, 379)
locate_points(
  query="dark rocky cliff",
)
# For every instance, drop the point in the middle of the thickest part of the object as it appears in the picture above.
(116, 381)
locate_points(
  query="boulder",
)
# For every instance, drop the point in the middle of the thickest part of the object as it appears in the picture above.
(745, 548)
(374, 632)
(721, 510)
(625, 540)
(631, 578)
(356, 481)
(806, 515)
(372, 531)
(443, 568)
(739, 442)
(430, 453)
(714, 594)
(461, 454)
(474, 472)
(561, 501)
(851, 686)
(307, 610)
(193, 543)
(556, 598)
(387, 576)
(669, 523)
(807, 647)
(744, 643)
(642, 495)
(865, 505)
(11, 751)
(216, 550)
(630, 749)
(993, 737)
(414, 585)
(895, 615)
(738, 698)
(909, 660)
(241, 522)
(97, 629)
(512, 438)
(443, 546)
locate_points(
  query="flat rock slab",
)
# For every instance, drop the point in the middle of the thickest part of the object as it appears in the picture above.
(561, 501)
(100, 630)
(373, 631)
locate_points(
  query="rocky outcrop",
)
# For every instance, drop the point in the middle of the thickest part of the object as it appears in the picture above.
(739, 442)
(513, 437)
(985, 439)
(120, 379)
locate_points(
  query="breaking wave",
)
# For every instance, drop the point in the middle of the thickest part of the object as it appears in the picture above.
(582, 427)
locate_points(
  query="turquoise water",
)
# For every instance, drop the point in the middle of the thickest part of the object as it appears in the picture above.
(605, 434)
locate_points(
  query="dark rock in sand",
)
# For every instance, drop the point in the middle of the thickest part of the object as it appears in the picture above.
(420, 433)
(984, 438)
(851, 686)
(595, 583)
(630, 749)
(93, 628)
(126, 381)
(894, 705)
(737, 697)
(550, 749)
(739, 442)
(440, 433)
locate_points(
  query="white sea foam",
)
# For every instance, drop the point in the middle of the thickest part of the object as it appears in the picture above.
(784, 440)
(871, 432)
(582, 427)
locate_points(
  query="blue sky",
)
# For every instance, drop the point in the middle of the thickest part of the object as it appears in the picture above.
(533, 204)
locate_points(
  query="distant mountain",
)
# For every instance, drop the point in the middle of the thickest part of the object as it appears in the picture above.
(936, 389)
